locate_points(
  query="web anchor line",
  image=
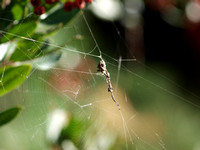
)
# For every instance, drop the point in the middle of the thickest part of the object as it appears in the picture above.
(102, 69)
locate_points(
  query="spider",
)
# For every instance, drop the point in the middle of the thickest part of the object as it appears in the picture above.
(102, 69)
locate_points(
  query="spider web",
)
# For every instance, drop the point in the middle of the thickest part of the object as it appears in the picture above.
(73, 85)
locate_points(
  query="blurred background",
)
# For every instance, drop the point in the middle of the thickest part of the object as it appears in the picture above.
(152, 52)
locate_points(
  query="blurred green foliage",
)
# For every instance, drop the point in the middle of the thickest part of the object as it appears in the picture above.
(19, 25)
(12, 77)
(8, 115)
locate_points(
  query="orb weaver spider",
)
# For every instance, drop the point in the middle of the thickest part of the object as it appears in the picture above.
(102, 69)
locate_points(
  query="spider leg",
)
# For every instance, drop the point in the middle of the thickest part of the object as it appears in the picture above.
(115, 100)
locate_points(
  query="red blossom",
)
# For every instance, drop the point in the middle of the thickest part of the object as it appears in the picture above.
(39, 10)
(50, 1)
(88, 1)
(68, 6)
(79, 4)
(35, 2)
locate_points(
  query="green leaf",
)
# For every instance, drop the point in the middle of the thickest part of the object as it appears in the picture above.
(26, 50)
(17, 12)
(8, 115)
(21, 30)
(60, 16)
(11, 77)
(74, 131)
